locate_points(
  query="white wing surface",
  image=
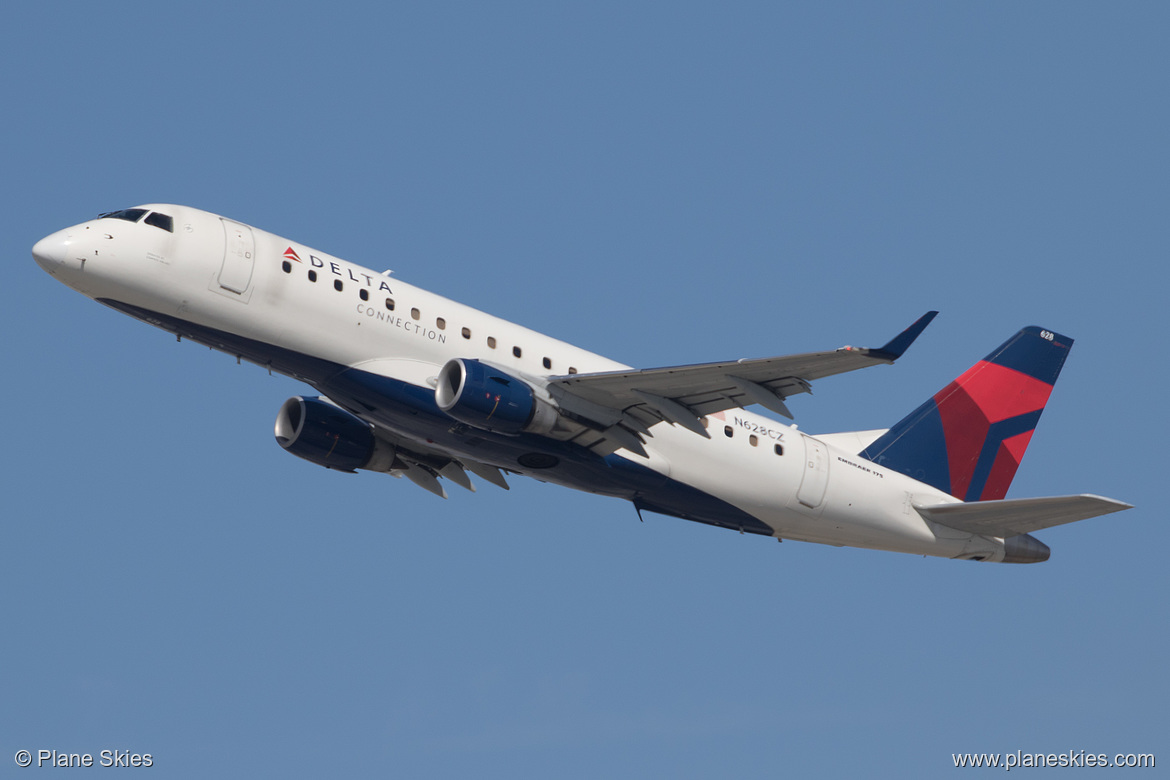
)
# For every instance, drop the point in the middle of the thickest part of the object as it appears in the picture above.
(639, 399)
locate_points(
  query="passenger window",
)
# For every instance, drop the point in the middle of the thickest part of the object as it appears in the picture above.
(441, 323)
(516, 351)
(415, 313)
(286, 266)
(547, 363)
(389, 304)
(467, 333)
(161, 221)
(337, 285)
(312, 275)
(492, 342)
(364, 294)
(779, 450)
(727, 431)
(572, 370)
(753, 440)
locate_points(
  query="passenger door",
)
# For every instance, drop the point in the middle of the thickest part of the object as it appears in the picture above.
(815, 476)
(239, 256)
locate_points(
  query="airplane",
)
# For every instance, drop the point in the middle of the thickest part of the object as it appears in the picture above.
(416, 385)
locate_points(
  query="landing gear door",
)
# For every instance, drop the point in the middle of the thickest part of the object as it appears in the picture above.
(239, 257)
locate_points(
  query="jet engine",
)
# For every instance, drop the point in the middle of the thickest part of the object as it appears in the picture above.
(487, 398)
(319, 432)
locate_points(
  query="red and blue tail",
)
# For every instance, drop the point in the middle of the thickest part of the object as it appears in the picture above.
(969, 439)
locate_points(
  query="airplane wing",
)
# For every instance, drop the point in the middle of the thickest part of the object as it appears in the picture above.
(1012, 517)
(683, 394)
(423, 465)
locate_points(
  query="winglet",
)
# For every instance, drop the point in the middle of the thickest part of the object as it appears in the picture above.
(898, 345)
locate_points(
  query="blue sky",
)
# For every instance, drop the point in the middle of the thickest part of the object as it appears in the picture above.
(662, 183)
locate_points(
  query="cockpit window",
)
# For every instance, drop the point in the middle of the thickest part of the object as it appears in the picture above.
(161, 221)
(130, 215)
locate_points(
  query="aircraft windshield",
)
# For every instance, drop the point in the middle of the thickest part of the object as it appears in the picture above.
(160, 220)
(156, 218)
(130, 215)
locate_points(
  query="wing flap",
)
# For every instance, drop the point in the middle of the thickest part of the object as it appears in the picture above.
(1012, 517)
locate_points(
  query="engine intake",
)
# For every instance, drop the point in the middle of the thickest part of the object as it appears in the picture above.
(487, 398)
(321, 433)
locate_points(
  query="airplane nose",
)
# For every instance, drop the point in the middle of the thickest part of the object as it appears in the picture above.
(52, 250)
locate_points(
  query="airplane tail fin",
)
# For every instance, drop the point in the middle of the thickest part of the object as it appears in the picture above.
(969, 438)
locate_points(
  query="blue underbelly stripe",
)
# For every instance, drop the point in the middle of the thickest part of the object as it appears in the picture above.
(410, 411)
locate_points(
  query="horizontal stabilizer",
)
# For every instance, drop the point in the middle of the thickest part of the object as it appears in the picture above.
(1018, 515)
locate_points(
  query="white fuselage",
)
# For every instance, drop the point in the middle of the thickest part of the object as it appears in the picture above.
(221, 277)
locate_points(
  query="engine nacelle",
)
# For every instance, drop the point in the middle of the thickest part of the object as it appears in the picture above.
(487, 398)
(329, 436)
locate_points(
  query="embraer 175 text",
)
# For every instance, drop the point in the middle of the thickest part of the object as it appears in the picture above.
(416, 385)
